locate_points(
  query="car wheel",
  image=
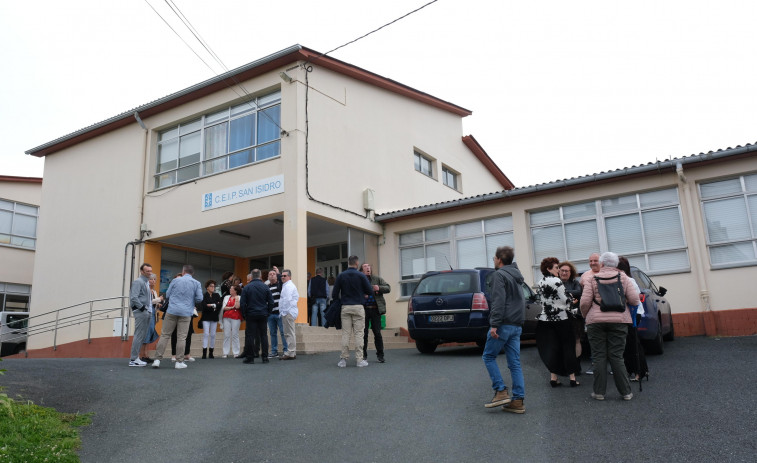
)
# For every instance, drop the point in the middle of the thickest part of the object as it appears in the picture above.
(671, 336)
(425, 347)
(655, 346)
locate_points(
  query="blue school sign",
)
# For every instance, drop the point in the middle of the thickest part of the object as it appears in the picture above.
(241, 193)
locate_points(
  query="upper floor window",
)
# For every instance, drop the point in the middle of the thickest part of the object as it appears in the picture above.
(18, 224)
(449, 177)
(645, 227)
(424, 164)
(233, 137)
(730, 213)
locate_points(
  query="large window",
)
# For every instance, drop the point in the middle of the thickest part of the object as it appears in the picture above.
(206, 266)
(233, 137)
(18, 224)
(463, 245)
(645, 227)
(14, 297)
(730, 212)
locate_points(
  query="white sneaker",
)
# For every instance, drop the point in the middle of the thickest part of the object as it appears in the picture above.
(137, 363)
(362, 363)
(189, 359)
(180, 365)
(156, 363)
(173, 359)
(628, 396)
(342, 363)
(225, 356)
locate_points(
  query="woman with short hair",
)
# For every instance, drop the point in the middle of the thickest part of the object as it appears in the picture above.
(211, 307)
(231, 317)
(554, 330)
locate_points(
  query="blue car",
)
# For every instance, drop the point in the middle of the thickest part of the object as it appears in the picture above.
(657, 323)
(453, 306)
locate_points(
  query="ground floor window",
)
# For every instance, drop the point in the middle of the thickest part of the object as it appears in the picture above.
(462, 245)
(14, 297)
(730, 213)
(646, 228)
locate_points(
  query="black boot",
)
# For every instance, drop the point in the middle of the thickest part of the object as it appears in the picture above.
(210, 354)
(204, 353)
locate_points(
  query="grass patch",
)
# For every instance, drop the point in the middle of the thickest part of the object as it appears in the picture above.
(30, 433)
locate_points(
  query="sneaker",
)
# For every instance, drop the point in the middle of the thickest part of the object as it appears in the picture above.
(362, 363)
(137, 363)
(628, 396)
(500, 398)
(273, 355)
(342, 363)
(381, 360)
(189, 359)
(224, 356)
(597, 396)
(173, 359)
(156, 363)
(590, 371)
(180, 365)
(515, 406)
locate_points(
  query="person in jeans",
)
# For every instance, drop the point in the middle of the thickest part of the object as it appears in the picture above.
(140, 300)
(352, 288)
(318, 290)
(275, 324)
(183, 293)
(607, 331)
(256, 304)
(375, 307)
(507, 313)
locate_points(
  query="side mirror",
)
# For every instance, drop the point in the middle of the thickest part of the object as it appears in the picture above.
(662, 291)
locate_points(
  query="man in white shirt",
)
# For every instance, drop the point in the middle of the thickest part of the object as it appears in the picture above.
(288, 312)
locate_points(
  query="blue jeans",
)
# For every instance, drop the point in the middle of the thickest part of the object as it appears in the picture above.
(275, 326)
(320, 303)
(509, 338)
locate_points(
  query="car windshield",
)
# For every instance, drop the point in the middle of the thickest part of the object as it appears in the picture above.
(447, 283)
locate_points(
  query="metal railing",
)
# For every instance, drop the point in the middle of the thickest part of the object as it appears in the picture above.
(93, 314)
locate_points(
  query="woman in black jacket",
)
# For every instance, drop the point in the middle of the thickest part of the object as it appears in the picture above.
(211, 307)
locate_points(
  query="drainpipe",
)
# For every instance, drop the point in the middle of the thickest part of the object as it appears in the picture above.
(696, 256)
(133, 244)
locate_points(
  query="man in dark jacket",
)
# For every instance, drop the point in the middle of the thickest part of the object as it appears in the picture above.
(375, 307)
(352, 288)
(256, 304)
(507, 312)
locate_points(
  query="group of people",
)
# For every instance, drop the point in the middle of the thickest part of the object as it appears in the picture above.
(265, 306)
(568, 304)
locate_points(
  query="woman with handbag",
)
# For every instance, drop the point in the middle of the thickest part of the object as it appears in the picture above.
(554, 330)
(231, 319)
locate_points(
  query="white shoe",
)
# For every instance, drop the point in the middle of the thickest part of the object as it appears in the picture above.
(156, 363)
(180, 365)
(189, 359)
(225, 356)
(173, 359)
(362, 363)
(137, 363)
(342, 363)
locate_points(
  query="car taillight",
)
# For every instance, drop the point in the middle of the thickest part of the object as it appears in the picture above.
(410, 305)
(642, 296)
(479, 302)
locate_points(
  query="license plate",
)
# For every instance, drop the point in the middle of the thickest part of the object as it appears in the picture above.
(441, 318)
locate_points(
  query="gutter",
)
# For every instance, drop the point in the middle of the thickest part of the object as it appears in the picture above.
(670, 165)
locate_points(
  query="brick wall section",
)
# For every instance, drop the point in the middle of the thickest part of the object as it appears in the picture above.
(738, 322)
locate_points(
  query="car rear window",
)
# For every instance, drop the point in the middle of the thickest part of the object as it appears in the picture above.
(447, 283)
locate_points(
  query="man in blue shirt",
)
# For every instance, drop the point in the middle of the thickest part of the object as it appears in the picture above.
(352, 288)
(183, 293)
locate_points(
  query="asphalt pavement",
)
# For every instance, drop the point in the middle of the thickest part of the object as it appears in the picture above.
(699, 405)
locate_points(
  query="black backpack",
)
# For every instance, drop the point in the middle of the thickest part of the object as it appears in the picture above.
(612, 293)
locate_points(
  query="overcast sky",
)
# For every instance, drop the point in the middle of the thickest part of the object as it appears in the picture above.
(558, 89)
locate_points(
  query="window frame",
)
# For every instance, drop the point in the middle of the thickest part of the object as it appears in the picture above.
(418, 158)
(210, 122)
(18, 290)
(407, 285)
(448, 172)
(600, 218)
(14, 212)
(744, 194)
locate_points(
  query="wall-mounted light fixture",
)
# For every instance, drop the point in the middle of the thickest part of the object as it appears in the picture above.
(285, 77)
(241, 236)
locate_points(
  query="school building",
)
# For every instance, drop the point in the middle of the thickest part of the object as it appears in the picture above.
(299, 160)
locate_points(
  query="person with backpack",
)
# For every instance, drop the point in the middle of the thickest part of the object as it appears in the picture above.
(604, 305)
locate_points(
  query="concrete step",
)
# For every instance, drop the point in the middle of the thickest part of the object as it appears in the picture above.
(310, 340)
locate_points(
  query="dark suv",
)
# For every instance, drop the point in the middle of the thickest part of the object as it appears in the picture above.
(453, 306)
